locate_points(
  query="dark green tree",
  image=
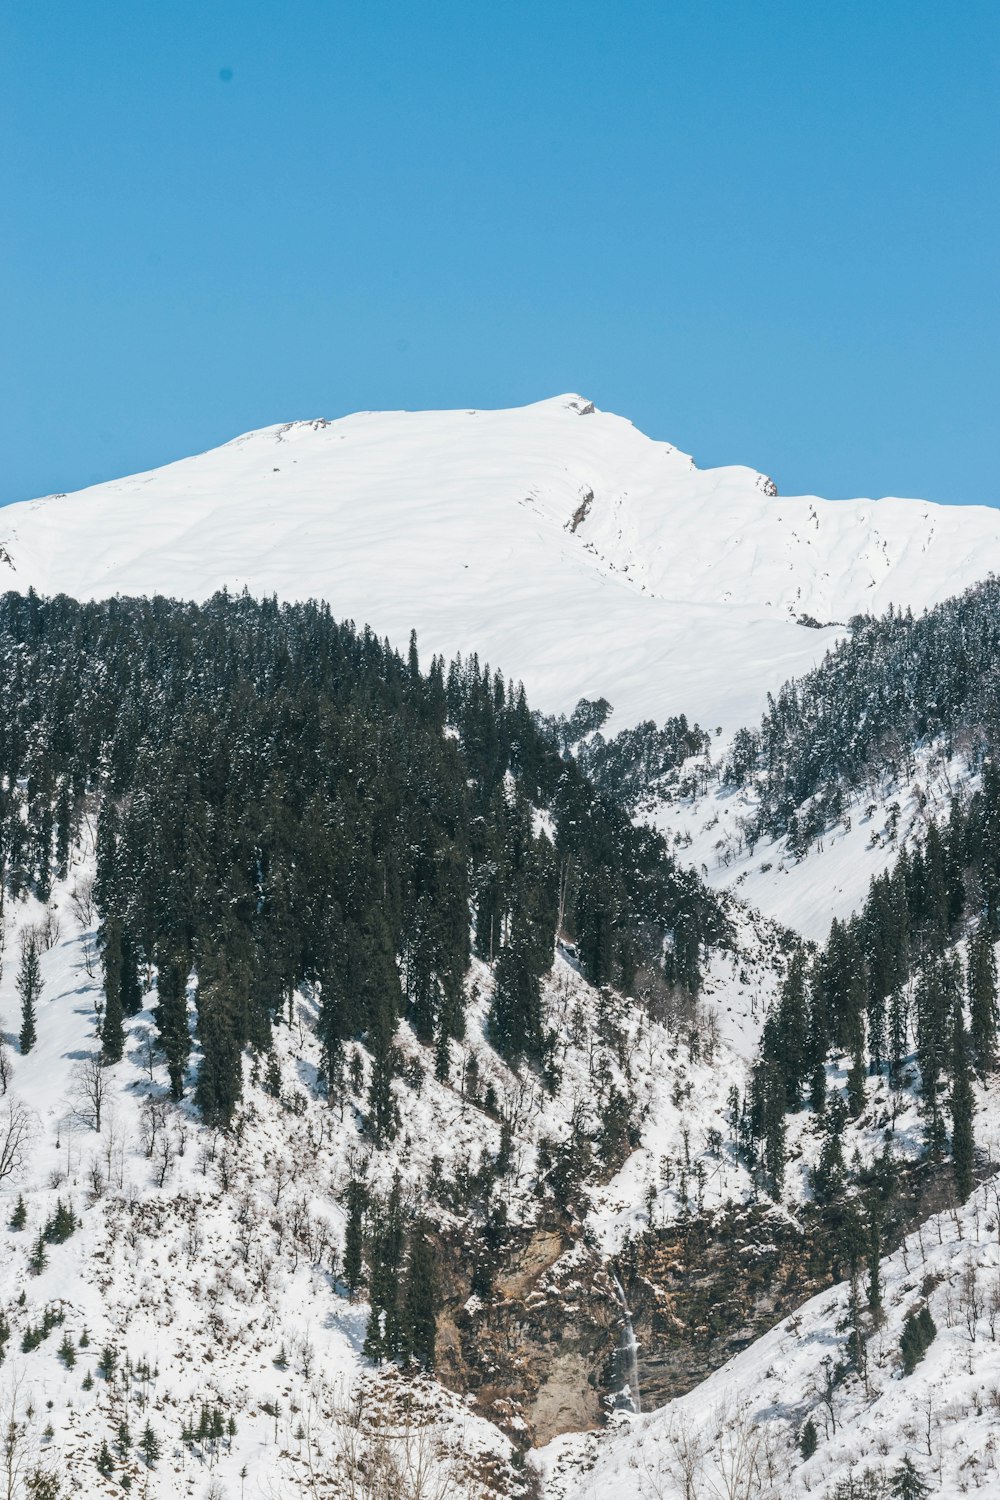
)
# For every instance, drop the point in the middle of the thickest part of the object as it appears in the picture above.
(982, 988)
(29, 987)
(354, 1235)
(907, 1483)
(418, 1306)
(963, 1151)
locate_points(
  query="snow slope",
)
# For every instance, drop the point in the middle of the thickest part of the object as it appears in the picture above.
(832, 878)
(556, 540)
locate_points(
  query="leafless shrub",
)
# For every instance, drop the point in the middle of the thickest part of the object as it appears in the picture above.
(49, 930)
(81, 900)
(153, 1121)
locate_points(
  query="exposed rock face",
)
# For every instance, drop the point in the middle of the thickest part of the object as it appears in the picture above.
(703, 1290)
(539, 1355)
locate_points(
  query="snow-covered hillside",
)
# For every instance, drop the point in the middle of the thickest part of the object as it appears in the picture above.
(555, 540)
(209, 1262)
(830, 880)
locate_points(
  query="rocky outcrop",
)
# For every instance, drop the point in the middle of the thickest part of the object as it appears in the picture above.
(537, 1353)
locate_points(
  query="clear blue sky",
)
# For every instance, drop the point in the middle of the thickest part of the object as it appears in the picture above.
(765, 231)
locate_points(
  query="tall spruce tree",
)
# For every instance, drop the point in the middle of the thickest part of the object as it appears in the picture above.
(419, 1298)
(172, 1019)
(354, 1235)
(29, 988)
(962, 1143)
(113, 1025)
(982, 988)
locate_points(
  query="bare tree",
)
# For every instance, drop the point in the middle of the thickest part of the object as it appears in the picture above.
(743, 1456)
(89, 1089)
(82, 901)
(163, 1156)
(684, 1454)
(6, 1067)
(49, 930)
(154, 1120)
(17, 1129)
(17, 1444)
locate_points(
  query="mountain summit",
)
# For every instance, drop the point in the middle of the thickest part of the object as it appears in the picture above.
(555, 538)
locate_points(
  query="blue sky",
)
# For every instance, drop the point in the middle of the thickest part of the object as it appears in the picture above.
(765, 231)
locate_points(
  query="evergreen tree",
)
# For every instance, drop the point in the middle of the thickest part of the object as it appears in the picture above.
(29, 987)
(919, 1332)
(112, 1027)
(383, 1339)
(149, 1445)
(898, 1028)
(856, 1076)
(353, 1237)
(982, 987)
(418, 1306)
(221, 998)
(907, 1483)
(172, 1020)
(39, 1257)
(962, 1143)
(829, 1175)
(788, 1045)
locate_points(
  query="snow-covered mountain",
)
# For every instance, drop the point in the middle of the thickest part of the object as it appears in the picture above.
(555, 540)
(571, 551)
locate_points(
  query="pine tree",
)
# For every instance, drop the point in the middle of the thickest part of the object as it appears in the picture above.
(963, 1153)
(906, 1482)
(131, 984)
(39, 1257)
(898, 1035)
(382, 1112)
(774, 1129)
(856, 1076)
(113, 1025)
(149, 1445)
(829, 1175)
(172, 1019)
(982, 987)
(418, 1304)
(808, 1439)
(919, 1332)
(353, 1237)
(788, 1042)
(383, 1338)
(29, 987)
(222, 1001)
(875, 1261)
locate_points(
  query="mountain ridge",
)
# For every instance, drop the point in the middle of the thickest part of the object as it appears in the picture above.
(556, 539)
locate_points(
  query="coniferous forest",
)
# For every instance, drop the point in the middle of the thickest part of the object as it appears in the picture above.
(898, 680)
(282, 800)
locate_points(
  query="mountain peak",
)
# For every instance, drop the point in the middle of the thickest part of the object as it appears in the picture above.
(583, 556)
